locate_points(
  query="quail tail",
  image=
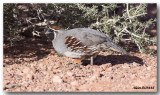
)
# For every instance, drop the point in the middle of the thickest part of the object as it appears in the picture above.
(114, 47)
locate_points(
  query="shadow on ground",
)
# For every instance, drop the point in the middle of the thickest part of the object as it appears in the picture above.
(115, 59)
(33, 49)
(27, 50)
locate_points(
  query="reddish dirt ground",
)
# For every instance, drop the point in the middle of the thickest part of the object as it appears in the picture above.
(33, 66)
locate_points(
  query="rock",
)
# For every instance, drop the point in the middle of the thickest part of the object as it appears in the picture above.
(125, 66)
(9, 86)
(74, 83)
(135, 64)
(97, 74)
(57, 79)
(29, 77)
(27, 70)
(69, 73)
(92, 78)
(149, 68)
(138, 82)
(133, 76)
(94, 67)
(105, 66)
(111, 77)
(153, 80)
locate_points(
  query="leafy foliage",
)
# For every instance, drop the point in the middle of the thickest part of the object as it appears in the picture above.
(121, 22)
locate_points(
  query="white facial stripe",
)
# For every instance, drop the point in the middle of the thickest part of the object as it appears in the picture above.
(55, 35)
(52, 28)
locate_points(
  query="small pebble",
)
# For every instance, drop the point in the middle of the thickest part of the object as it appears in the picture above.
(74, 83)
(69, 73)
(57, 79)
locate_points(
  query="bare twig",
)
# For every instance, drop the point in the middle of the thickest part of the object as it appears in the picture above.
(137, 15)
(36, 33)
(146, 39)
(122, 31)
(144, 29)
(137, 8)
(128, 13)
(34, 24)
(39, 11)
(131, 17)
(28, 20)
(139, 46)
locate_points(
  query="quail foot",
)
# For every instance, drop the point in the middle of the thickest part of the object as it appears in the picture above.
(80, 43)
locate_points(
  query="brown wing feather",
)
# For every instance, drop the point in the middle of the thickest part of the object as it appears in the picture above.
(74, 44)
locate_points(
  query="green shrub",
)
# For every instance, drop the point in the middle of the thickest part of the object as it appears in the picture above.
(121, 22)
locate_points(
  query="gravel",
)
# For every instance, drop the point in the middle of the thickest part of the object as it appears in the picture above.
(54, 73)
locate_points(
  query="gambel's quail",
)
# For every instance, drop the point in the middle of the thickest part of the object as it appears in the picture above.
(80, 43)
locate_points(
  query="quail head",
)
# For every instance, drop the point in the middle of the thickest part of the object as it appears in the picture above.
(80, 43)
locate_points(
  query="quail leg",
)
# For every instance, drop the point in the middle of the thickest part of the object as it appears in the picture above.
(91, 60)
